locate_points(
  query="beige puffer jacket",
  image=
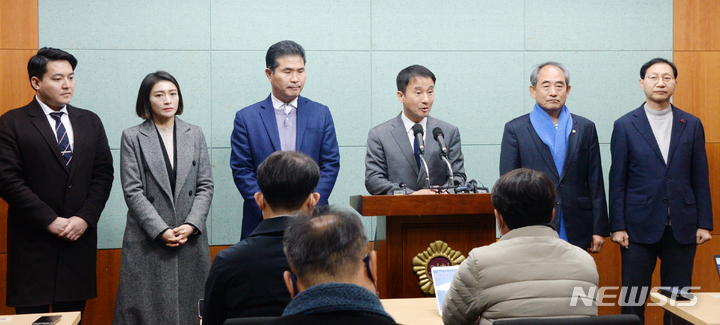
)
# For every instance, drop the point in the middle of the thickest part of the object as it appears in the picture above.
(529, 272)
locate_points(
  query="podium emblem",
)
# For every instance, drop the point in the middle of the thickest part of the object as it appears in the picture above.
(437, 254)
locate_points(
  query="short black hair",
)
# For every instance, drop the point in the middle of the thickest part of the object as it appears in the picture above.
(654, 61)
(413, 71)
(143, 108)
(280, 49)
(524, 197)
(287, 178)
(329, 242)
(37, 66)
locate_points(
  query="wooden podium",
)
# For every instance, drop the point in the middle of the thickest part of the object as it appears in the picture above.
(408, 224)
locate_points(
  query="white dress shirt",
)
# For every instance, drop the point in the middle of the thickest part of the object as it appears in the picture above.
(278, 104)
(408, 128)
(65, 119)
(286, 118)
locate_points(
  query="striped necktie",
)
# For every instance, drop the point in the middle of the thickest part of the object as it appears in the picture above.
(62, 138)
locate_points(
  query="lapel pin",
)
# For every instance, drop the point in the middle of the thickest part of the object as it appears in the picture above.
(682, 121)
(573, 131)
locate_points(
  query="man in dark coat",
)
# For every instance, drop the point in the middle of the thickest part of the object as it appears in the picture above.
(246, 279)
(55, 174)
(565, 147)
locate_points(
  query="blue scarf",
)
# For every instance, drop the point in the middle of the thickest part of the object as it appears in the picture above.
(335, 297)
(555, 139)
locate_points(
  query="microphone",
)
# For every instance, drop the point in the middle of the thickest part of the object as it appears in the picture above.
(418, 129)
(474, 186)
(440, 138)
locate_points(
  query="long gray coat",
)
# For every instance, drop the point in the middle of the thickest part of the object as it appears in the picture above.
(160, 284)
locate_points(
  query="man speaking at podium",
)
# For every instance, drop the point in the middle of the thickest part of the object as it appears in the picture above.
(401, 155)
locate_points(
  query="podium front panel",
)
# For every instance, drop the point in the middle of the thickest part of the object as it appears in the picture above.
(469, 223)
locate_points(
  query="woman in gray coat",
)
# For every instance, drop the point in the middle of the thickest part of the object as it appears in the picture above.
(167, 182)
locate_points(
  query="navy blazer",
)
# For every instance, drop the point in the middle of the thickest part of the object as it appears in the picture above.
(643, 187)
(580, 188)
(255, 136)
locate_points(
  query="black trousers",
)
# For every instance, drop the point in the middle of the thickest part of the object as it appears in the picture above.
(57, 307)
(638, 264)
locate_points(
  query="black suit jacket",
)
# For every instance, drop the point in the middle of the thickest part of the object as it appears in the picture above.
(246, 279)
(580, 188)
(42, 268)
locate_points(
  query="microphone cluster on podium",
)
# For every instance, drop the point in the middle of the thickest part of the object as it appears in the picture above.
(418, 131)
(451, 185)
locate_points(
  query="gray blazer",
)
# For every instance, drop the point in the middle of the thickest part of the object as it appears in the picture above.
(160, 284)
(390, 160)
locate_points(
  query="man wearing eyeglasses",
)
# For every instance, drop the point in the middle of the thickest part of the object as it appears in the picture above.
(659, 189)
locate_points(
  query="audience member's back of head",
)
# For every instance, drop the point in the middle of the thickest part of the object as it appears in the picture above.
(530, 258)
(524, 197)
(287, 178)
(326, 246)
(334, 271)
(246, 280)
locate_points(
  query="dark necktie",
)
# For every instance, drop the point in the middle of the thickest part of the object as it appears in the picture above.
(62, 138)
(416, 151)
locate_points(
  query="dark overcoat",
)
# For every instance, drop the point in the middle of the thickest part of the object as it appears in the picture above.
(42, 268)
(580, 188)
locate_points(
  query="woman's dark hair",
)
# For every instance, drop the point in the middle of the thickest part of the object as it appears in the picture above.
(143, 107)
